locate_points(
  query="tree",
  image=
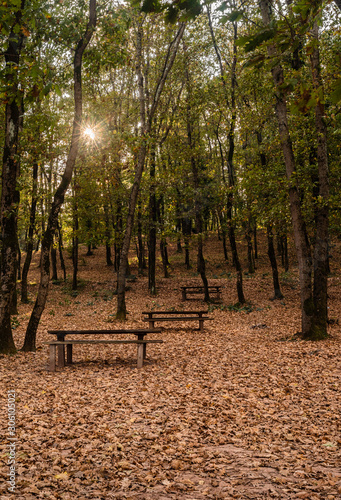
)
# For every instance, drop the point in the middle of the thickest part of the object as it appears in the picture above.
(231, 146)
(146, 120)
(10, 174)
(314, 318)
(30, 338)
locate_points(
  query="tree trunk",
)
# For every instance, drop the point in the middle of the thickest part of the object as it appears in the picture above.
(235, 258)
(164, 256)
(54, 261)
(118, 230)
(141, 249)
(31, 332)
(223, 235)
(152, 226)
(255, 242)
(163, 240)
(300, 234)
(122, 271)
(145, 132)
(19, 263)
(231, 147)
(250, 254)
(60, 247)
(10, 191)
(322, 209)
(201, 267)
(284, 251)
(273, 262)
(186, 230)
(107, 237)
(75, 247)
(29, 245)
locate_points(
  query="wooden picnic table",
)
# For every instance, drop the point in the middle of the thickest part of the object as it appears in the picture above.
(199, 289)
(61, 342)
(153, 316)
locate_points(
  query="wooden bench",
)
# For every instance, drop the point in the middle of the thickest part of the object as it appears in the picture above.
(61, 343)
(153, 316)
(199, 289)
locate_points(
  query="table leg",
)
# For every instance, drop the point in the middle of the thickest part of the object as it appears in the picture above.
(140, 349)
(61, 356)
(69, 354)
(140, 336)
(52, 363)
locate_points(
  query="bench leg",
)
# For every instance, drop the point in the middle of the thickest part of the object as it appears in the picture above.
(69, 354)
(140, 354)
(183, 294)
(151, 323)
(52, 359)
(201, 324)
(61, 356)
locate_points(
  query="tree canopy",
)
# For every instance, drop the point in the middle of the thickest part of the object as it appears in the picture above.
(195, 116)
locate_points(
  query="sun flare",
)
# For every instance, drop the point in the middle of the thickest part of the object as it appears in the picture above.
(89, 132)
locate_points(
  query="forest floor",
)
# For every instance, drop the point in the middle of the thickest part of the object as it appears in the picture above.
(244, 409)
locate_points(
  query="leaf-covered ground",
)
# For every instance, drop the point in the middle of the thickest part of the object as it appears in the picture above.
(243, 410)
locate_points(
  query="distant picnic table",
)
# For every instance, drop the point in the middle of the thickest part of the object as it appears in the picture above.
(153, 316)
(199, 289)
(61, 342)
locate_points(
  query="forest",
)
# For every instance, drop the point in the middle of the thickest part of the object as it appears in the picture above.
(128, 124)
(146, 147)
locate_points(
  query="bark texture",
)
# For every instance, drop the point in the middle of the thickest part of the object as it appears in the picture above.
(231, 148)
(29, 245)
(273, 261)
(146, 119)
(9, 192)
(302, 245)
(321, 265)
(31, 332)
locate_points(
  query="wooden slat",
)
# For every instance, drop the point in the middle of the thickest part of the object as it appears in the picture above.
(200, 286)
(105, 332)
(183, 318)
(175, 312)
(102, 341)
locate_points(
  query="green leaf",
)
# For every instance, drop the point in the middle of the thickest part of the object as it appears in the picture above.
(35, 71)
(252, 42)
(171, 15)
(257, 60)
(151, 6)
(335, 96)
(222, 7)
(235, 15)
(242, 40)
(47, 89)
(57, 90)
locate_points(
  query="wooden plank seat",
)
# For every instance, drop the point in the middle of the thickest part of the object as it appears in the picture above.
(153, 316)
(199, 289)
(60, 343)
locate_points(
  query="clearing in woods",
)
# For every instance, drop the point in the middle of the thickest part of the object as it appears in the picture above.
(244, 409)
